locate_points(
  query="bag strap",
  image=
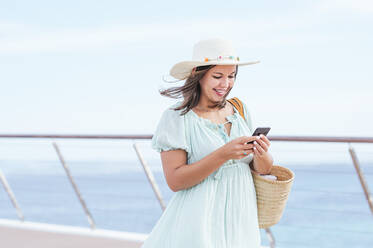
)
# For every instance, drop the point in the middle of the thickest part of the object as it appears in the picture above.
(238, 105)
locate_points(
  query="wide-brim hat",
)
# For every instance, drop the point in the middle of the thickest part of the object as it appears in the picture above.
(209, 52)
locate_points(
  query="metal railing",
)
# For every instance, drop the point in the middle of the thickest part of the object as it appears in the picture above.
(150, 175)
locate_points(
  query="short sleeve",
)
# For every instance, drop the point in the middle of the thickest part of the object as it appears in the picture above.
(248, 118)
(170, 133)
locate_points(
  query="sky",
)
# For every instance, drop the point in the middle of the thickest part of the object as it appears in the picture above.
(95, 67)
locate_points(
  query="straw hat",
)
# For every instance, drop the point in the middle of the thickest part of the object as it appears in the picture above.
(209, 52)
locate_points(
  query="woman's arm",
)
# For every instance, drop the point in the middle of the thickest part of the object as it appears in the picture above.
(262, 166)
(180, 175)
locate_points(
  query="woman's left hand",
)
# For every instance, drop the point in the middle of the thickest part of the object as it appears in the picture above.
(261, 145)
(262, 159)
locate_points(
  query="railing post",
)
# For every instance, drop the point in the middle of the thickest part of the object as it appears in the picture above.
(271, 238)
(361, 177)
(150, 177)
(82, 202)
(11, 196)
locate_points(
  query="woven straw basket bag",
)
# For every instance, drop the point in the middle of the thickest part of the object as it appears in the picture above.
(271, 196)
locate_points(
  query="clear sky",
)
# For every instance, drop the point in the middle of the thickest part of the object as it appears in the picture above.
(96, 66)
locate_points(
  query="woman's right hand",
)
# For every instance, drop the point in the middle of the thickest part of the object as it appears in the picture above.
(237, 148)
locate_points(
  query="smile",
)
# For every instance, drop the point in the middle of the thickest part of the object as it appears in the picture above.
(220, 92)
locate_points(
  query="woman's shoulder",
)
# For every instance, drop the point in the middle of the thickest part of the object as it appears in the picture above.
(171, 131)
(171, 113)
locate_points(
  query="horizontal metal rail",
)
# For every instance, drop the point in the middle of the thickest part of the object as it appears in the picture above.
(344, 139)
(74, 136)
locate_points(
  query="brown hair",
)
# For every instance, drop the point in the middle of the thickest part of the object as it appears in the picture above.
(191, 90)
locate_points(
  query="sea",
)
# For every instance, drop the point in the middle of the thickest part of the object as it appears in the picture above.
(326, 207)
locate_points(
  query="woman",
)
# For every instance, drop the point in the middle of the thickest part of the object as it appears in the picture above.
(202, 140)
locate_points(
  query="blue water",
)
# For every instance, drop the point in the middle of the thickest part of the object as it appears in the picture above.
(326, 208)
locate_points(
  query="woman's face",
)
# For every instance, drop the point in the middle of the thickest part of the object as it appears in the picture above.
(217, 82)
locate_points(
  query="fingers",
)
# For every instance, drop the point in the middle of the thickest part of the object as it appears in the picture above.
(261, 145)
(259, 149)
(245, 149)
(246, 152)
(245, 139)
(247, 146)
(265, 139)
(256, 152)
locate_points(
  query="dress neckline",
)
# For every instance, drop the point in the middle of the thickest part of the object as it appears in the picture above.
(229, 118)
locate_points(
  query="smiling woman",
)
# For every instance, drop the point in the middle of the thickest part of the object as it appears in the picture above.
(205, 157)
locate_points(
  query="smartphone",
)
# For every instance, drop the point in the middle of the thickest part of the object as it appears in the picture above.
(258, 131)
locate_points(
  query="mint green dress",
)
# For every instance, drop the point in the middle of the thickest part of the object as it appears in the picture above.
(220, 211)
